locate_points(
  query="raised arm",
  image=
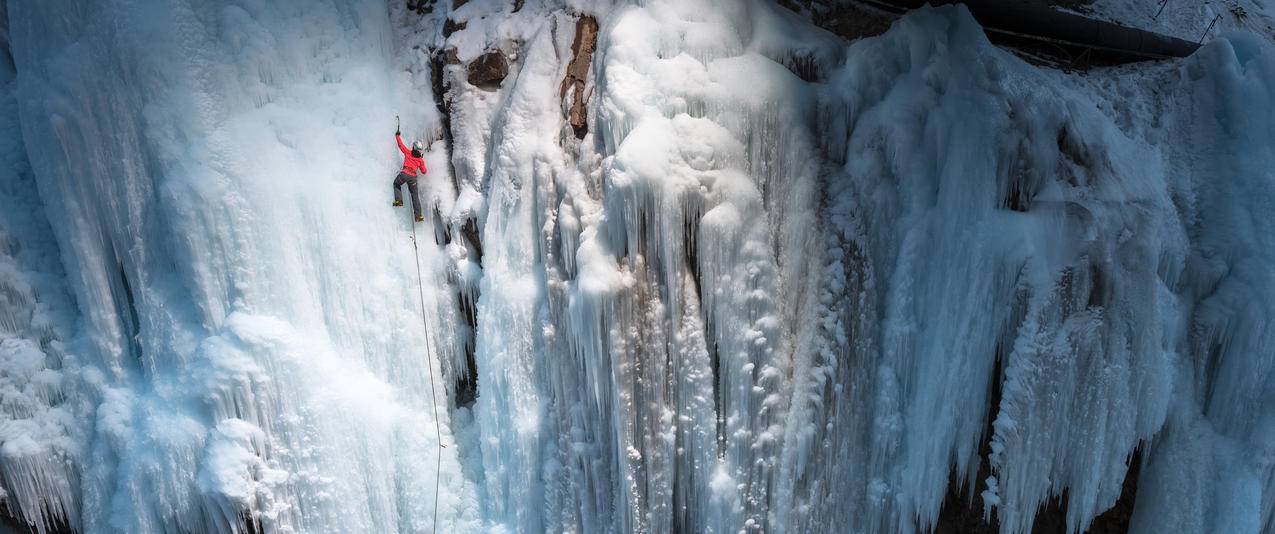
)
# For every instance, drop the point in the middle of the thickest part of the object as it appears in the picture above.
(402, 147)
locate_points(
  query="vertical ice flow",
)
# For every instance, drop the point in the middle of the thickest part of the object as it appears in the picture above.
(250, 349)
(783, 283)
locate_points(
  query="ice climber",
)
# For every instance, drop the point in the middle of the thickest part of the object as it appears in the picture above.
(413, 162)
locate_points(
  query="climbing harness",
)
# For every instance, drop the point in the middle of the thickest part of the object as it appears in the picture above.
(429, 361)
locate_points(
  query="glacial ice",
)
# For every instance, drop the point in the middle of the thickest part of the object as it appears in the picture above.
(784, 283)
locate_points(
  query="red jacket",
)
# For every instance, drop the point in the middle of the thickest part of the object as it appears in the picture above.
(410, 163)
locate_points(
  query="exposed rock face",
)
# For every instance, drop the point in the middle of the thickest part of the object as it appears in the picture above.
(582, 49)
(845, 19)
(451, 26)
(488, 70)
(421, 6)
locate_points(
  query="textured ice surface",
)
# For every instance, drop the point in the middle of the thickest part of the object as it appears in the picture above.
(249, 346)
(784, 283)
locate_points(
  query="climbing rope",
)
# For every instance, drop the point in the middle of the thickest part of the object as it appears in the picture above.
(429, 361)
(429, 353)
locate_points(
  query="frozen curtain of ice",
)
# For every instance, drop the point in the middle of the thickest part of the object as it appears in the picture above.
(774, 282)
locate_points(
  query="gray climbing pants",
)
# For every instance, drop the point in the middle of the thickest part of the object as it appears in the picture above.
(404, 178)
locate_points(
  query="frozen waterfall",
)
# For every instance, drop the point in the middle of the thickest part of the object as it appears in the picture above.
(249, 351)
(688, 266)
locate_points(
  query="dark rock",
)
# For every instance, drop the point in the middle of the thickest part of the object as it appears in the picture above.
(488, 70)
(470, 230)
(451, 26)
(848, 20)
(421, 7)
(582, 48)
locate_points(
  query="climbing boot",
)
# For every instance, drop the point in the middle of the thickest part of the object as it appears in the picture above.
(398, 203)
(420, 218)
